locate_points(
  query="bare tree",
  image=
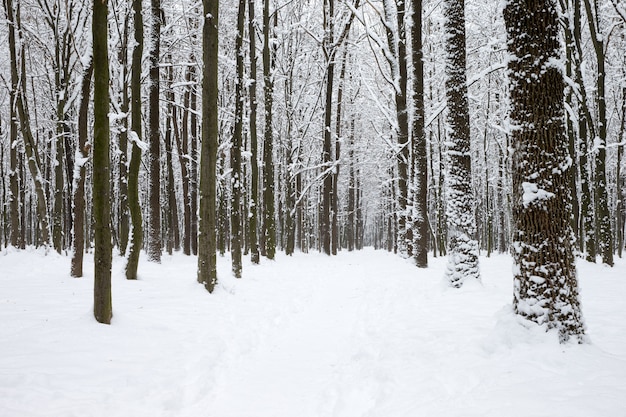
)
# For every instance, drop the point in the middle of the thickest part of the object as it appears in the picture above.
(545, 281)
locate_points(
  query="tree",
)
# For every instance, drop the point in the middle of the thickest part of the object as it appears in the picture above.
(101, 161)
(269, 223)
(235, 150)
(135, 157)
(604, 236)
(13, 130)
(254, 164)
(19, 96)
(207, 269)
(462, 245)
(154, 213)
(545, 281)
(79, 174)
(419, 158)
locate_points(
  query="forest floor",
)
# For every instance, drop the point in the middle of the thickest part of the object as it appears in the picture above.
(359, 334)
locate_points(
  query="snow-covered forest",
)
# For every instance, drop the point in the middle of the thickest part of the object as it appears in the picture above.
(194, 156)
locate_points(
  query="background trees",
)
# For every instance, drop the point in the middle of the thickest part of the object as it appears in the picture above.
(352, 147)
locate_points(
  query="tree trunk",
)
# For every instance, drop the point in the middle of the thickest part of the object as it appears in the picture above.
(269, 226)
(254, 158)
(207, 271)
(462, 243)
(545, 281)
(135, 158)
(82, 153)
(30, 145)
(419, 158)
(101, 161)
(605, 236)
(124, 228)
(14, 202)
(235, 151)
(154, 190)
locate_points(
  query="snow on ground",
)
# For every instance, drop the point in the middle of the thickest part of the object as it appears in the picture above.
(360, 334)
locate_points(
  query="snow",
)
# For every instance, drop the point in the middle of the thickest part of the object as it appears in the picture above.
(360, 334)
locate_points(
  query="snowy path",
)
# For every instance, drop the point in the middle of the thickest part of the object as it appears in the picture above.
(361, 334)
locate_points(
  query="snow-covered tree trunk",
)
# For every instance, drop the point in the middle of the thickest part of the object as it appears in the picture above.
(269, 223)
(545, 280)
(254, 161)
(154, 191)
(134, 207)
(462, 243)
(419, 157)
(82, 153)
(605, 236)
(235, 150)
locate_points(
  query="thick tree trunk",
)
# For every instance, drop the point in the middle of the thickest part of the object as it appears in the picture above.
(254, 157)
(101, 161)
(462, 243)
(419, 158)
(545, 281)
(154, 190)
(207, 270)
(269, 223)
(235, 151)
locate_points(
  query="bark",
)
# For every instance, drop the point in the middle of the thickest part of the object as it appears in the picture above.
(235, 151)
(419, 158)
(605, 235)
(269, 222)
(462, 243)
(397, 44)
(135, 157)
(154, 190)
(173, 232)
(101, 201)
(82, 153)
(124, 228)
(545, 280)
(207, 272)
(254, 158)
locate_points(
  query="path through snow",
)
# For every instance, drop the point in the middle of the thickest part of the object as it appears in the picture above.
(360, 334)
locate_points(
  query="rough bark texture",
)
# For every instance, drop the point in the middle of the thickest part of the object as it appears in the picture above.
(545, 281)
(154, 191)
(235, 151)
(462, 243)
(397, 44)
(419, 159)
(135, 158)
(605, 235)
(207, 271)
(254, 164)
(82, 153)
(101, 201)
(269, 223)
